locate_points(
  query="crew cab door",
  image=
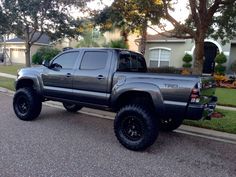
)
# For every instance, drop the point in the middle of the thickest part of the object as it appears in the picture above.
(58, 78)
(91, 77)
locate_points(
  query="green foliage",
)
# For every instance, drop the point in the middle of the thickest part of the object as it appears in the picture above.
(187, 59)
(44, 53)
(91, 36)
(119, 43)
(225, 22)
(166, 69)
(187, 65)
(220, 58)
(220, 69)
(130, 15)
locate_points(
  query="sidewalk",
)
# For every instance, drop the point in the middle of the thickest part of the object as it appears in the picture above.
(8, 75)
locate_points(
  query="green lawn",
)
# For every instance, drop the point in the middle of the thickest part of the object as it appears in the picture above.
(7, 83)
(11, 69)
(226, 96)
(225, 124)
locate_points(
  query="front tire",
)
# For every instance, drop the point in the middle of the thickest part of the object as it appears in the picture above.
(70, 107)
(135, 127)
(27, 104)
(170, 124)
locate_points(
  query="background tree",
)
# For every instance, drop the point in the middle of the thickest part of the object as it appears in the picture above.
(29, 20)
(130, 16)
(89, 34)
(202, 23)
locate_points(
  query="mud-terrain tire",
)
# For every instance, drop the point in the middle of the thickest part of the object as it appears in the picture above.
(70, 107)
(27, 104)
(135, 127)
(170, 124)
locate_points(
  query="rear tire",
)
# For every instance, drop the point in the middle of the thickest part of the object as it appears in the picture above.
(70, 107)
(27, 104)
(170, 124)
(135, 127)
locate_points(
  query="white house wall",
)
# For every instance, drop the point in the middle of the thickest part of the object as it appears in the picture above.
(177, 51)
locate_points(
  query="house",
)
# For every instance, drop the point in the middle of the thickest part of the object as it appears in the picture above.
(15, 47)
(166, 51)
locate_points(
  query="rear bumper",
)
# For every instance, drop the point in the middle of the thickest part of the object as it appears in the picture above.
(201, 111)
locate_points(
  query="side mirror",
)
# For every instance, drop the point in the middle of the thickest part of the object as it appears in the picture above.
(46, 63)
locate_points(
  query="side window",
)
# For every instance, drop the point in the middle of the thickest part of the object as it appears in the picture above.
(131, 62)
(124, 62)
(138, 63)
(94, 60)
(66, 60)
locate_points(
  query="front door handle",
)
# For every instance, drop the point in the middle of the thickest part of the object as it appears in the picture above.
(68, 75)
(100, 77)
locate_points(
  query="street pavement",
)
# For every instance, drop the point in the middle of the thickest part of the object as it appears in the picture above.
(64, 144)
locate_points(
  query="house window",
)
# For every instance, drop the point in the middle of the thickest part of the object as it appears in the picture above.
(159, 57)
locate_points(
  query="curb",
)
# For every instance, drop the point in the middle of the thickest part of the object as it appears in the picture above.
(185, 129)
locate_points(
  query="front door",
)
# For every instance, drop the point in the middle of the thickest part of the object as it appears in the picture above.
(58, 79)
(210, 52)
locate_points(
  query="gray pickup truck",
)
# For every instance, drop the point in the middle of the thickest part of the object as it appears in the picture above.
(115, 80)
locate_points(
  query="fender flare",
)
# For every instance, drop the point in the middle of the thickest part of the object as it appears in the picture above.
(152, 89)
(37, 85)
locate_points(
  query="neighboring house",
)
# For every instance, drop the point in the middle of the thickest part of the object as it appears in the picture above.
(15, 47)
(165, 51)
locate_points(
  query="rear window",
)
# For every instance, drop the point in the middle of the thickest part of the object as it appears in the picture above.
(131, 62)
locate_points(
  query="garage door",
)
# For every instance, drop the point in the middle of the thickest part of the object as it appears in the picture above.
(18, 55)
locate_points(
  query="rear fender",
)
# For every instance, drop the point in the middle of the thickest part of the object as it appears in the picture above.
(151, 89)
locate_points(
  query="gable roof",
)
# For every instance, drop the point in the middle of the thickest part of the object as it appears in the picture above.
(44, 39)
(163, 37)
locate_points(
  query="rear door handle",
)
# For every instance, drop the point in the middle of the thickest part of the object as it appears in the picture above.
(100, 77)
(68, 75)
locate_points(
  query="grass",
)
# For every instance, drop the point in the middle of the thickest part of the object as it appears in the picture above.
(224, 124)
(7, 83)
(11, 69)
(226, 97)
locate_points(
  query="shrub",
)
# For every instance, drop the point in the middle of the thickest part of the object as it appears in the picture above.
(220, 69)
(120, 43)
(220, 60)
(187, 59)
(187, 65)
(44, 53)
(165, 69)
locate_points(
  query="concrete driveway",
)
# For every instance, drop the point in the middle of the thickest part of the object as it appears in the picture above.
(64, 144)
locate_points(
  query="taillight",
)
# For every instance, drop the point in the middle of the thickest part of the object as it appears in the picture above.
(195, 95)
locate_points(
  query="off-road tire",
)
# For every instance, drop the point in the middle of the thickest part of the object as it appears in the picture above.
(170, 124)
(147, 127)
(27, 104)
(70, 107)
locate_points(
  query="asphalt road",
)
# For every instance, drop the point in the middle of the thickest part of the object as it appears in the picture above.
(64, 144)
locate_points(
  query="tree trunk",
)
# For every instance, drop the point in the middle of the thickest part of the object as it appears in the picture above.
(198, 55)
(143, 38)
(124, 34)
(4, 50)
(27, 54)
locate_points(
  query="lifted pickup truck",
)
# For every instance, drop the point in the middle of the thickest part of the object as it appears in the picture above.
(115, 80)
